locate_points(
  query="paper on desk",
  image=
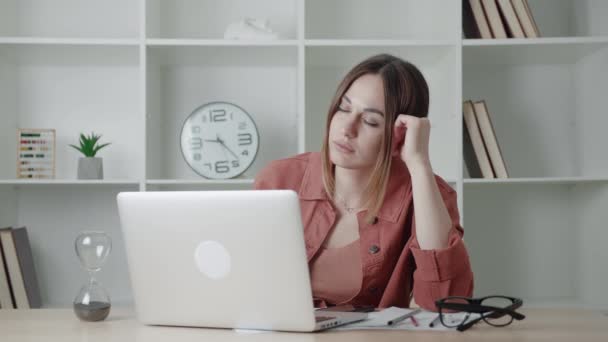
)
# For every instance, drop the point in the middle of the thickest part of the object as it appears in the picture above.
(379, 320)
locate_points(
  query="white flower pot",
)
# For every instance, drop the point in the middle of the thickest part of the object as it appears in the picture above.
(90, 168)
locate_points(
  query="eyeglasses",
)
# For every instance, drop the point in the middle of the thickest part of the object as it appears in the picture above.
(498, 311)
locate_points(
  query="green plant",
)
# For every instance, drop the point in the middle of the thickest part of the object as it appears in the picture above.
(88, 144)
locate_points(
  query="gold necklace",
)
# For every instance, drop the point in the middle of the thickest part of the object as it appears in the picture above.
(345, 205)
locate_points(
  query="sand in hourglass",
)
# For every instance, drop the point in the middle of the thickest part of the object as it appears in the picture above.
(95, 311)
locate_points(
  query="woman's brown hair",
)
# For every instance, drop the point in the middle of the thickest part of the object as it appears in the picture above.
(406, 91)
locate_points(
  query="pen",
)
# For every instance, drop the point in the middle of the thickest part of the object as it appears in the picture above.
(414, 321)
(403, 317)
(435, 321)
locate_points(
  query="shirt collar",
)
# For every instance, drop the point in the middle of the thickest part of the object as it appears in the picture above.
(399, 179)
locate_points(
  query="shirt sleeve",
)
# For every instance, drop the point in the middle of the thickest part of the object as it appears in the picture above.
(442, 272)
(265, 179)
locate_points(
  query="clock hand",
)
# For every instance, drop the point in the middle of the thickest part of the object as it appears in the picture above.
(226, 147)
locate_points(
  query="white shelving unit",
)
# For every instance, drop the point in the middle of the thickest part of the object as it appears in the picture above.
(538, 235)
(133, 70)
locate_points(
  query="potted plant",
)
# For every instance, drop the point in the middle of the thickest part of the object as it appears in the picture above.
(89, 166)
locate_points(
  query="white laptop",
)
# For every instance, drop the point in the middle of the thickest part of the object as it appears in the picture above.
(221, 259)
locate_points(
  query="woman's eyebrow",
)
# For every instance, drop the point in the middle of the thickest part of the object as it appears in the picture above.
(370, 110)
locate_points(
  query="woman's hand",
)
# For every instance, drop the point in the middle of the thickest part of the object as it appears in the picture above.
(411, 141)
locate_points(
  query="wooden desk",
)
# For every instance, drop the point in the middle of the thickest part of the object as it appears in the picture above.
(62, 325)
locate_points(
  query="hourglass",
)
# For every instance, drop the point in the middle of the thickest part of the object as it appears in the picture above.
(92, 302)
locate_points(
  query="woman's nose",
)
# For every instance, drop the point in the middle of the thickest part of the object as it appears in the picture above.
(350, 126)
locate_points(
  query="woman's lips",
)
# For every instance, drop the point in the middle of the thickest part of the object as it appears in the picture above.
(344, 148)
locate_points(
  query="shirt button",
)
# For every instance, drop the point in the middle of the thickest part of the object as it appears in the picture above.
(373, 289)
(374, 249)
(375, 220)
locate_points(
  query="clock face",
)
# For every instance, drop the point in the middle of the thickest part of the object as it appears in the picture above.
(219, 140)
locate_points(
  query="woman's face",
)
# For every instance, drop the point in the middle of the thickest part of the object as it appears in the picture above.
(356, 129)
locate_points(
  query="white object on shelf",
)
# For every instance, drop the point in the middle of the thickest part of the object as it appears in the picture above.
(250, 28)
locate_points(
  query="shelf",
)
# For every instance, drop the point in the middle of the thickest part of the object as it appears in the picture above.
(67, 41)
(68, 182)
(56, 52)
(210, 18)
(226, 56)
(535, 41)
(380, 42)
(220, 42)
(69, 18)
(539, 180)
(543, 51)
(198, 182)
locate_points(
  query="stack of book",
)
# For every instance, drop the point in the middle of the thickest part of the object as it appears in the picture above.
(498, 19)
(18, 283)
(482, 155)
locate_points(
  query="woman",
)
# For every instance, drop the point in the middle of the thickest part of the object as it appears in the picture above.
(379, 225)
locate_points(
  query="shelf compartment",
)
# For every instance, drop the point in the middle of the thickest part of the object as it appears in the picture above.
(210, 18)
(261, 80)
(327, 65)
(53, 220)
(393, 19)
(69, 88)
(546, 104)
(70, 18)
(541, 243)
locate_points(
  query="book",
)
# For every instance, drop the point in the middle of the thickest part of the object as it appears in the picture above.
(477, 162)
(469, 26)
(6, 296)
(475, 23)
(511, 19)
(470, 158)
(522, 9)
(493, 15)
(20, 266)
(489, 138)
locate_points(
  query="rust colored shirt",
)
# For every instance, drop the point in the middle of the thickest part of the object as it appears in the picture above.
(393, 266)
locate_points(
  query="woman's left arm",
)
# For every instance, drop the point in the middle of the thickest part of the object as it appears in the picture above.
(443, 267)
(411, 141)
(433, 221)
